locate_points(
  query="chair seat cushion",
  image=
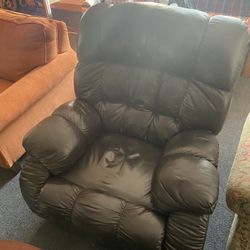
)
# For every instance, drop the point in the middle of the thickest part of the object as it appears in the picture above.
(106, 219)
(107, 194)
(119, 166)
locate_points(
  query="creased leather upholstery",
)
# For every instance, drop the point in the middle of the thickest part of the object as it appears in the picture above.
(185, 231)
(119, 165)
(187, 167)
(132, 162)
(79, 125)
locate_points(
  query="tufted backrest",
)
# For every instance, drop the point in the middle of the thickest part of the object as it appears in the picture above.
(152, 70)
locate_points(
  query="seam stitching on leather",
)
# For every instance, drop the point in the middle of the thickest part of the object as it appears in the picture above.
(86, 137)
(191, 72)
(213, 162)
(74, 204)
(153, 111)
(37, 199)
(109, 195)
(184, 98)
(149, 124)
(199, 47)
(101, 83)
(206, 221)
(171, 197)
(156, 101)
(119, 221)
(218, 152)
(69, 121)
(38, 161)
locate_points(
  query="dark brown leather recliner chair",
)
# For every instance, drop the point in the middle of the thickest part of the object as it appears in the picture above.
(132, 162)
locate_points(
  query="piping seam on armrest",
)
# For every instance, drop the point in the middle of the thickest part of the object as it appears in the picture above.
(192, 155)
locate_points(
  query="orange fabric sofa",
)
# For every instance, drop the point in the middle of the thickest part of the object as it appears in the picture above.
(36, 76)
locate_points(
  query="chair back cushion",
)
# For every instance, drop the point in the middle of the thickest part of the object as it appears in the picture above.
(27, 42)
(153, 70)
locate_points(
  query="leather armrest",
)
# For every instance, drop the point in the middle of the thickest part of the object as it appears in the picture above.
(186, 178)
(60, 140)
(185, 231)
(32, 179)
(238, 186)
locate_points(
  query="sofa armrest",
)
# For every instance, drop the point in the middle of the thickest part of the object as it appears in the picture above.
(238, 187)
(186, 179)
(21, 95)
(60, 140)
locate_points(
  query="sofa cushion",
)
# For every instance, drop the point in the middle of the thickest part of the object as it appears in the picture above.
(4, 84)
(25, 43)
